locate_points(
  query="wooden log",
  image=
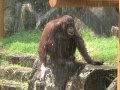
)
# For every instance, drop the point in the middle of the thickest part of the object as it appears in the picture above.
(118, 81)
(1, 18)
(84, 3)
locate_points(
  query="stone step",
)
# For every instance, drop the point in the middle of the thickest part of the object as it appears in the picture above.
(12, 85)
(16, 73)
(23, 60)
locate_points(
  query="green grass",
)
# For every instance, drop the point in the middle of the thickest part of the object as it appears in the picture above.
(101, 48)
(26, 42)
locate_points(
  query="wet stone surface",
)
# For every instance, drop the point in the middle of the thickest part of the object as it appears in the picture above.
(15, 73)
(57, 75)
(12, 85)
(113, 85)
(97, 77)
(26, 61)
(90, 78)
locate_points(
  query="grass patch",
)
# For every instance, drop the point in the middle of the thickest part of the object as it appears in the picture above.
(101, 48)
(26, 42)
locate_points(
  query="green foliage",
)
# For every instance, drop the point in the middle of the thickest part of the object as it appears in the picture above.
(26, 42)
